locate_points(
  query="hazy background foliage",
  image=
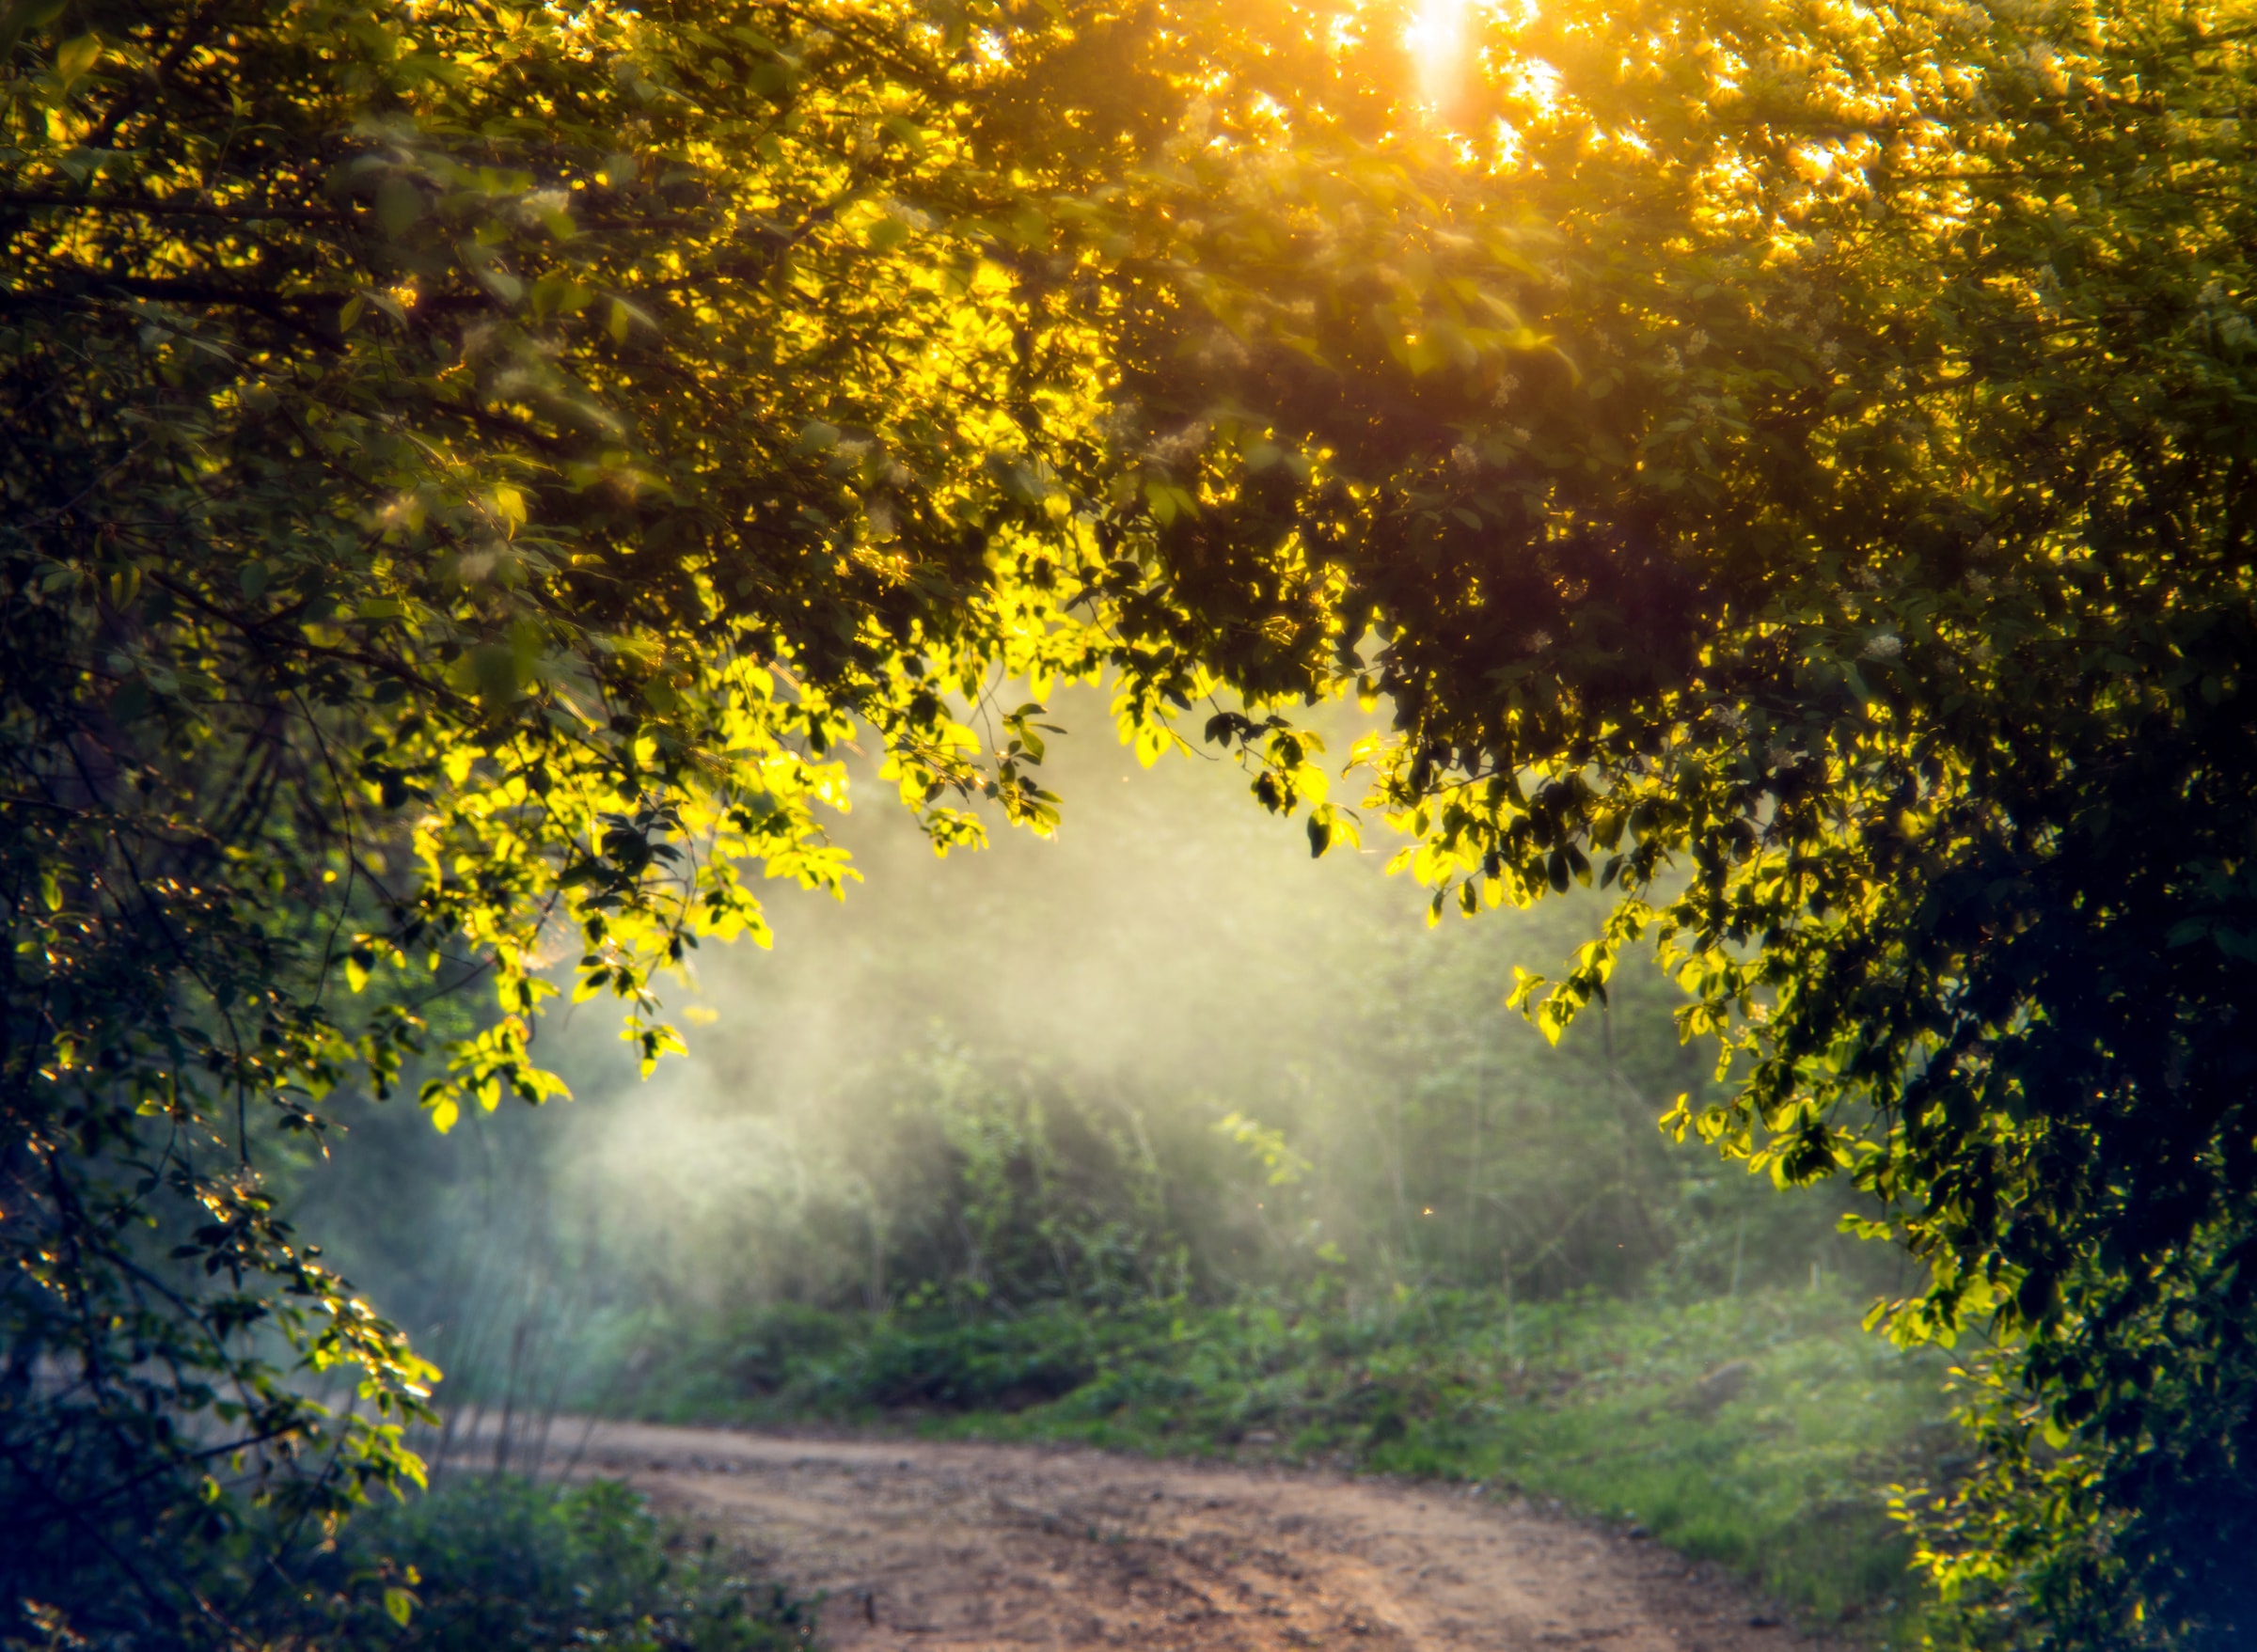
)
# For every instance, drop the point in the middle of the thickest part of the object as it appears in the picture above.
(1166, 1054)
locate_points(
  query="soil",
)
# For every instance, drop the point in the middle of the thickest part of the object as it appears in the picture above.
(960, 1547)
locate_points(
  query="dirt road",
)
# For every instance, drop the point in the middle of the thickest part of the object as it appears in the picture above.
(958, 1548)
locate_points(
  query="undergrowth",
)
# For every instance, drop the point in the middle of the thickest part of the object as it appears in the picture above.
(481, 1563)
(1760, 1432)
(487, 1564)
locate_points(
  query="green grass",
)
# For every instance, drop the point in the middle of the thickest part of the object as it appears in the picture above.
(1760, 1432)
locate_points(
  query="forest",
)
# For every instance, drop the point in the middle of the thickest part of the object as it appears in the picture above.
(1499, 744)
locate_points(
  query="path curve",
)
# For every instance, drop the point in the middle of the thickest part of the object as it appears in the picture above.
(964, 1548)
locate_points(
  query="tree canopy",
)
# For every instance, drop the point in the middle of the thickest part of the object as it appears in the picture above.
(470, 471)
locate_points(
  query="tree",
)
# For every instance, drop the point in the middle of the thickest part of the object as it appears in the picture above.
(469, 470)
(1860, 576)
(467, 473)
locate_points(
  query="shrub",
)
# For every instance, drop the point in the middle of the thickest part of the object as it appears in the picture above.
(496, 1565)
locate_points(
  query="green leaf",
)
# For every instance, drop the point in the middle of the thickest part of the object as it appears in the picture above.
(399, 204)
(75, 59)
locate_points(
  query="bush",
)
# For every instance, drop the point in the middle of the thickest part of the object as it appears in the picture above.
(480, 1565)
(491, 1565)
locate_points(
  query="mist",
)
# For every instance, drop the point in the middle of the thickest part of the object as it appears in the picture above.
(1164, 1055)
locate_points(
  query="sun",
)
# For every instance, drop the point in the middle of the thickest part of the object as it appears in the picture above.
(1440, 39)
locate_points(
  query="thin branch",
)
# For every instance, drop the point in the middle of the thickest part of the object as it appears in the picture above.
(35, 199)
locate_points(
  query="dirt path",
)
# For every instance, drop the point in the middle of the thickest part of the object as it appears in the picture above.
(956, 1548)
